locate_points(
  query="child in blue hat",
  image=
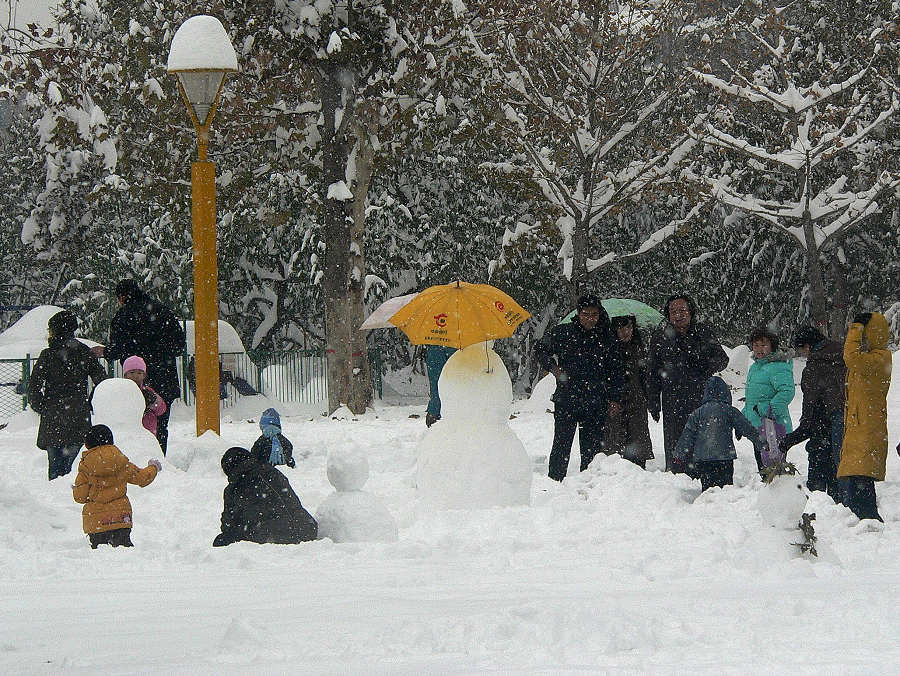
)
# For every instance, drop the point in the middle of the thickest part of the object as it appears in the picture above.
(272, 446)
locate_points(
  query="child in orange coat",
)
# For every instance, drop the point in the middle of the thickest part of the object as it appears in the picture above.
(101, 484)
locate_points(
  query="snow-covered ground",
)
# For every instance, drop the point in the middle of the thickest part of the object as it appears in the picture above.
(614, 570)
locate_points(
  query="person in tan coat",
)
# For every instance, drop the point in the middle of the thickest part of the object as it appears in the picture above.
(101, 484)
(865, 446)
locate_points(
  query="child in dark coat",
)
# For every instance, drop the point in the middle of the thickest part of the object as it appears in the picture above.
(260, 505)
(272, 446)
(706, 445)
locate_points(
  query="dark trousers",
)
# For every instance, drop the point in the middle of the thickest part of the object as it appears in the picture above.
(821, 469)
(859, 496)
(162, 427)
(59, 460)
(715, 473)
(590, 439)
(120, 537)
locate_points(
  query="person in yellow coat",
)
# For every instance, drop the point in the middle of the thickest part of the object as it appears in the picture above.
(865, 447)
(103, 477)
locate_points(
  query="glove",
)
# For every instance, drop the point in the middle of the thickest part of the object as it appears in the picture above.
(155, 463)
(291, 463)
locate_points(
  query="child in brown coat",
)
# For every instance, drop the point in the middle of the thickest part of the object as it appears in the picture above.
(103, 475)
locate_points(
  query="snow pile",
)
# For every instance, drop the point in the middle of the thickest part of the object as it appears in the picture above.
(28, 336)
(350, 514)
(471, 458)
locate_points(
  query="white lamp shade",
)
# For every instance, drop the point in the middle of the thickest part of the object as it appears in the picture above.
(201, 89)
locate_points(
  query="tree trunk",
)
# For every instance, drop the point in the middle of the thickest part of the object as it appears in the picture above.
(814, 276)
(837, 320)
(360, 396)
(335, 281)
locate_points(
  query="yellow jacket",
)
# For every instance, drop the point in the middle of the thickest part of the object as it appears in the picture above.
(865, 448)
(100, 485)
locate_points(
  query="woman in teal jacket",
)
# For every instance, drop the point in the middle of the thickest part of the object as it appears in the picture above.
(770, 381)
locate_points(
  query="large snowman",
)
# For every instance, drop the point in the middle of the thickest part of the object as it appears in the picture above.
(119, 404)
(471, 458)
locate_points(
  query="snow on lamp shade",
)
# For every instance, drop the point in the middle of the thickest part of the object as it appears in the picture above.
(200, 55)
(471, 458)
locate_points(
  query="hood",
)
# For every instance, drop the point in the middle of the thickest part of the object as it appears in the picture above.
(828, 351)
(717, 390)
(878, 331)
(103, 461)
(236, 460)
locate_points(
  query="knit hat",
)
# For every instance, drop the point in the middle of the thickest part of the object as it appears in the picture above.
(63, 324)
(270, 417)
(134, 363)
(98, 435)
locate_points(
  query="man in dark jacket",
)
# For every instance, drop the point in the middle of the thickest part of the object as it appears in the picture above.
(683, 355)
(822, 415)
(585, 360)
(57, 391)
(260, 505)
(148, 329)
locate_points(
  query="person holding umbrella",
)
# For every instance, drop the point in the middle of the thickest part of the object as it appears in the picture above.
(583, 357)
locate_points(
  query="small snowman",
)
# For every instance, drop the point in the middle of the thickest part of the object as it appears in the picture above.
(471, 458)
(782, 500)
(119, 404)
(351, 514)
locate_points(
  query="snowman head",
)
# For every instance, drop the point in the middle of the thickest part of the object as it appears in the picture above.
(116, 402)
(347, 468)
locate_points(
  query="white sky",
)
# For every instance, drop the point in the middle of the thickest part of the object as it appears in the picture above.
(25, 12)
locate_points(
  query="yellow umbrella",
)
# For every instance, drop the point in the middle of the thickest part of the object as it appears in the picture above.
(459, 314)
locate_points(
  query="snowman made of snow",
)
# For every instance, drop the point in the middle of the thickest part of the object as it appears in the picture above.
(350, 514)
(119, 404)
(471, 458)
(781, 503)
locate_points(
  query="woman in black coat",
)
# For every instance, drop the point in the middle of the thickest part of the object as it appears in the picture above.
(57, 391)
(683, 355)
(260, 505)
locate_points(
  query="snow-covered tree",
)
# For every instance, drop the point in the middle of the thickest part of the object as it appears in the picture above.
(799, 138)
(587, 95)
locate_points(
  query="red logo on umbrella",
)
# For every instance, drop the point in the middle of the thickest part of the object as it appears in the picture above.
(498, 305)
(441, 319)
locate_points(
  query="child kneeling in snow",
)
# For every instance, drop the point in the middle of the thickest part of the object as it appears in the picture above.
(135, 369)
(272, 446)
(260, 505)
(706, 445)
(103, 475)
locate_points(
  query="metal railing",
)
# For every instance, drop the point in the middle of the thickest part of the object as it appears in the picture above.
(295, 376)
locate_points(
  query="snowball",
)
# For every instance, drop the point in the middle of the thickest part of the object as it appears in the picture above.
(355, 516)
(347, 469)
(781, 503)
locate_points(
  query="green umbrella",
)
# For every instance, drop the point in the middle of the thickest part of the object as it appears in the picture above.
(648, 318)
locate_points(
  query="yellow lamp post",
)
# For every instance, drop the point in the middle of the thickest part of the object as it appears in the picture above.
(200, 55)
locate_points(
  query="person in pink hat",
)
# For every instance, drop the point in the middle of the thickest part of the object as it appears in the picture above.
(134, 368)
